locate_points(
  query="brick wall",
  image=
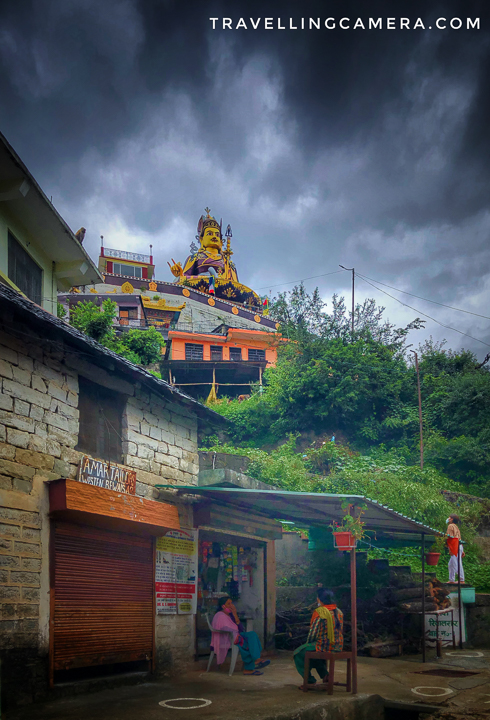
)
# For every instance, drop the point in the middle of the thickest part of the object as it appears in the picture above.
(39, 422)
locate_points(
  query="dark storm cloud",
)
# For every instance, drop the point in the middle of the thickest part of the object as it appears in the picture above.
(368, 148)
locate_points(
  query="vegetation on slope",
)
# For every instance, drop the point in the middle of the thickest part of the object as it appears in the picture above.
(363, 387)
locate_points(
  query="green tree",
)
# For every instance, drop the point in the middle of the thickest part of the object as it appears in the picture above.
(301, 315)
(142, 347)
(95, 321)
(147, 344)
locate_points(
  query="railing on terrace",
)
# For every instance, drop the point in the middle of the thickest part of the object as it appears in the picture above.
(216, 328)
(141, 324)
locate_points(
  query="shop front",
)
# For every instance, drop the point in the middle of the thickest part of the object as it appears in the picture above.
(235, 558)
(102, 577)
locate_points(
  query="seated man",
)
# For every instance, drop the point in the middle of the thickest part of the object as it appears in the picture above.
(325, 635)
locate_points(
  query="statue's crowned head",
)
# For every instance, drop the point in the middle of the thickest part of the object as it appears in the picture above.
(209, 232)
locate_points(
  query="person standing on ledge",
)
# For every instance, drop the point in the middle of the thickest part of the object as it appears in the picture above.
(453, 541)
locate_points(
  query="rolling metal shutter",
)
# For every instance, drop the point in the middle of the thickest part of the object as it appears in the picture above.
(103, 604)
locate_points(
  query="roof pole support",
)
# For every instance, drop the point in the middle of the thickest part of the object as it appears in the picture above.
(423, 595)
(460, 608)
(353, 602)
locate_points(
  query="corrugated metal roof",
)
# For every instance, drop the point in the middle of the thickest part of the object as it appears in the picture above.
(315, 509)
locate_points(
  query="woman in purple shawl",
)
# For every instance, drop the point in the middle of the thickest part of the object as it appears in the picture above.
(226, 618)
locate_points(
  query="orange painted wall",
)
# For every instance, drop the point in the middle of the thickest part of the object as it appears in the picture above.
(243, 339)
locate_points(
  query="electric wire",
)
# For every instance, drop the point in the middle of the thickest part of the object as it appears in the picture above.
(292, 282)
(448, 327)
(419, 297)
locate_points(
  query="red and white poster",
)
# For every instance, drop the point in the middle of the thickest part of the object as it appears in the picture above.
(176, 573)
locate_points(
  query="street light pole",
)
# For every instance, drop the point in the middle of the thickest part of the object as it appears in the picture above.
(353, 276)
(420, 411)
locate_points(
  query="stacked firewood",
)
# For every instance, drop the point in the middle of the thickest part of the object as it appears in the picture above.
(292, 626)
(410, 599)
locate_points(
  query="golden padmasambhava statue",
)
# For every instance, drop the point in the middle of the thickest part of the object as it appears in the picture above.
(209, 268)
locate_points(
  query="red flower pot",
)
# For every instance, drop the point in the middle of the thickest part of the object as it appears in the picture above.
(344, 540)
(432, 558)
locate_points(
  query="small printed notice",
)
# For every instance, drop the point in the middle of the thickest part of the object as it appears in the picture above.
(176, 573)
(106, 475)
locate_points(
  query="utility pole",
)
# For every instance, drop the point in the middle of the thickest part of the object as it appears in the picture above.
(420, 411)
(353, 276)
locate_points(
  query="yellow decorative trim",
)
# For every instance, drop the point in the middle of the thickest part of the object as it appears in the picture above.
(212, 302)
(186, 292)
(93, 290)
(127, 288)
(152, 286)
(234, 310)
(108, 292)
(257, 318)
(160, 304)
(278, 325)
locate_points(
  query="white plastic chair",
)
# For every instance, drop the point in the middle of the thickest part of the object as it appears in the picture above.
(234, 648)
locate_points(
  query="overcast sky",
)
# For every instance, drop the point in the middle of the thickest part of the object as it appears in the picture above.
(368, 148)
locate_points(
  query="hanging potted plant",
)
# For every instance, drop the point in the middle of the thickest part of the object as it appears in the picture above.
(434, 553)
(350, 529)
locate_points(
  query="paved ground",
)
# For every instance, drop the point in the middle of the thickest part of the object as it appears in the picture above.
(275, 694)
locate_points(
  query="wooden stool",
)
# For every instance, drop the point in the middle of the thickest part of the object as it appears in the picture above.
(327, 684)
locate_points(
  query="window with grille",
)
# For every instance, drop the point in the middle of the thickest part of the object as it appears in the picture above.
(235, 353)
(216, 352)
(24, 272)
(193, 351)
(100, 429)
(256, 354)
(131, 270)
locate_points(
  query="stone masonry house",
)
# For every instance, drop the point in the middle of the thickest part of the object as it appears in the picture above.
(63, 398)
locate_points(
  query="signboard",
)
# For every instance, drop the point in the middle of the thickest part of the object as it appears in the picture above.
(176, 573)
(447, 621)
(124, 255)
(106, 475)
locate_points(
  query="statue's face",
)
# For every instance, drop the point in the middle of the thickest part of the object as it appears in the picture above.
(211, 239)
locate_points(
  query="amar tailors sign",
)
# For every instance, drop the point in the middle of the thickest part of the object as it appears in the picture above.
(106, 475)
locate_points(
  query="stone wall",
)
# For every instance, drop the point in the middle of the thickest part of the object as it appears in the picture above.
(293, 559)
(39, 423)
(478, 620)
(160, 441)
(175, 642)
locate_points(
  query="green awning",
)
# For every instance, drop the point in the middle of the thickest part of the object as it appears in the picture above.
(312, 509)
